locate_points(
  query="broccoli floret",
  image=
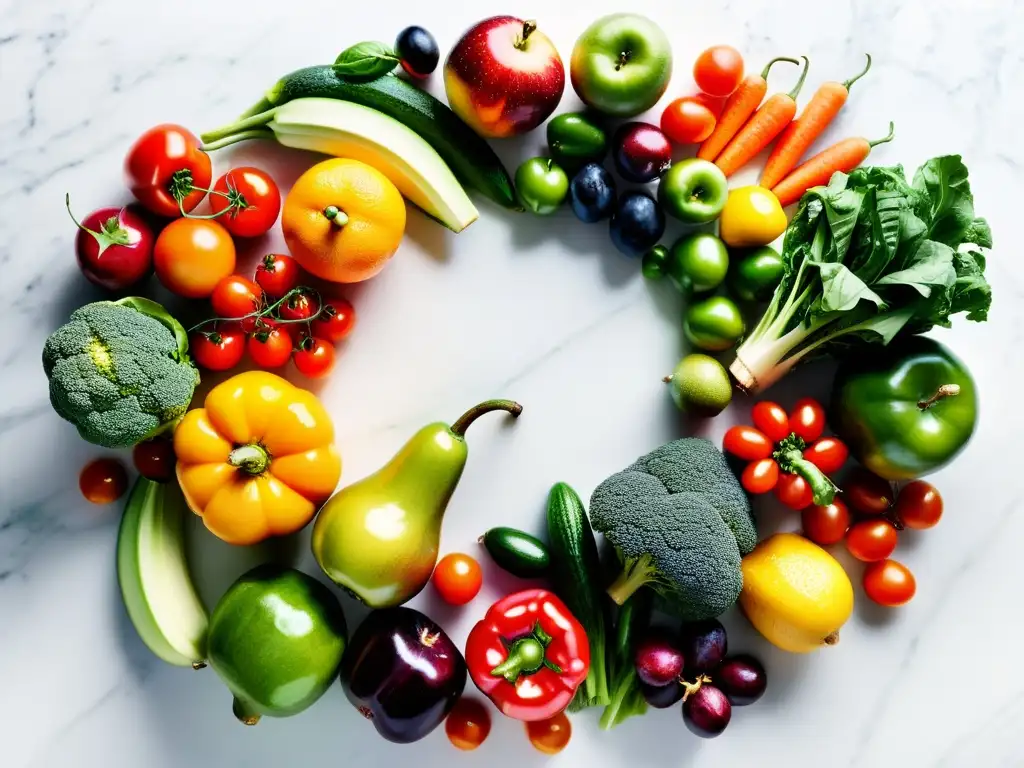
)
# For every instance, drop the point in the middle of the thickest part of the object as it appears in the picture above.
(119, 371)
(681, 524)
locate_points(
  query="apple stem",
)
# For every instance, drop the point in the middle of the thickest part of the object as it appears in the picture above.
(623, 58)
(529, 27)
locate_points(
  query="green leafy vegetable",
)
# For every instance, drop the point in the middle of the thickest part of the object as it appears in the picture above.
(869, 257)
(365, 61)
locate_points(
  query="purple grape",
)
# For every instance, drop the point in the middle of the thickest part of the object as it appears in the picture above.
(742, 678)
(658, 659)
(707, 711)
(661, 696)
(704, 645)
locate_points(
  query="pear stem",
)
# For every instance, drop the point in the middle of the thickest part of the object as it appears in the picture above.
(462, 423)
(244, 712)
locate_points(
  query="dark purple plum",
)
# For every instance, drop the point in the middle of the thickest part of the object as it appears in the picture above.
(417, 51)
(661, 696)
(403, 673)
(706, 711)
(641, 152)
(704, 645)
(742, 678)
(658, 659)
(592, 193)
(637, 223)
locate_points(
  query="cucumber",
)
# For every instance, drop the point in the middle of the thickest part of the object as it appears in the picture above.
(577, 578)
(517, 552)
(471, 158)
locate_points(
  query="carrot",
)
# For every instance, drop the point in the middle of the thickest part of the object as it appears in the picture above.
(801, 133)
(843, 156)
(740, 106)
(767, 123)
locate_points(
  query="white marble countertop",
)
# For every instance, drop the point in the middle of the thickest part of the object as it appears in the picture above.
(543, 311)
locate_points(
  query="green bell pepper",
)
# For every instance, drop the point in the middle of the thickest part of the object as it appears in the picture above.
(904, 410)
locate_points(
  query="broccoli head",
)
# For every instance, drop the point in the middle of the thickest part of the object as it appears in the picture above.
(120, 371)
(681, 523)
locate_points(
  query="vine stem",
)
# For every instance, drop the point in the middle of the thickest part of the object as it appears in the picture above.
(269, 310)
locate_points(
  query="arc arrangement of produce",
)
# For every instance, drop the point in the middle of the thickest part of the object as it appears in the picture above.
(868, 261)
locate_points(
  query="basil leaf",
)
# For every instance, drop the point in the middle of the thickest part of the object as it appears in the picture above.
(365, 61)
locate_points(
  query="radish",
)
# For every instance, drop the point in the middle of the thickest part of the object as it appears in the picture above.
(114, 246)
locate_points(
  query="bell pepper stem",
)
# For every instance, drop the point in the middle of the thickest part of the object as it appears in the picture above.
(462, 423)
(252, 459)
(946, 390)
(244, 712)
(526, 655)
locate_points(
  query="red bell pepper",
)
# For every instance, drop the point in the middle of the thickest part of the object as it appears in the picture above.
(528, 654)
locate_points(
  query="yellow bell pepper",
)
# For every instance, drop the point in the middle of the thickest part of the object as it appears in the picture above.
(752, 216)
(258, 460)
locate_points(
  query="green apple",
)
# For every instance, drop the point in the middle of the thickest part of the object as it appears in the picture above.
(694, 191)
(621, 64)
(542, 185)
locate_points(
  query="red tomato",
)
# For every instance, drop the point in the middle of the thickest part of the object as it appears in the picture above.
(468, 724)
(314, 357)
(872, 540)
(550, 736)
(828, 454)
(298, 306)
(253, 199)
(270, 346)
(715, 103)
(103, 481)
(192, 255)
(277, 274)
(760, 476)
(218, 350)
(154, 459)
(718, 70)
(807, 419)
(793, 491)
(234, 297)
(826, 525)
(867, 493)
(687, 121)
(336, 320)
(166, 165)
(919, 505)
(889, 583)
(457, 578)
(746, 443)
(771, 419)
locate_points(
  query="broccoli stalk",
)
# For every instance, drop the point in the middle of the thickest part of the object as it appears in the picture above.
(636, 572)
(789, 455)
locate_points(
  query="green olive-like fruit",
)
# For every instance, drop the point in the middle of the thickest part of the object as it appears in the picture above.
(714, 324)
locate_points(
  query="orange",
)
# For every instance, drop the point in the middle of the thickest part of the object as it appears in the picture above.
(343, 220)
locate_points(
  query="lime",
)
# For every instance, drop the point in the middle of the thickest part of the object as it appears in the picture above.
(700, 386)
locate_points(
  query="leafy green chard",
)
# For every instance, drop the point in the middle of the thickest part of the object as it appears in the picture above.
(869, 257)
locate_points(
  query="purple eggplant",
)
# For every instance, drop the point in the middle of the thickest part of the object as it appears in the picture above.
(403, 673)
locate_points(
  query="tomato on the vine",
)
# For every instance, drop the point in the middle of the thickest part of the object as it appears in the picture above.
(760, 476)
(314, 357)
(807, 419)
(167, 171)
(747, 443)
(718, 70)
(298, 306)
(919, 505)
(154, 459)
(251, 199)
(457, 578)
(277, 274)
(867, 493)
(235, 297)
(889, 583)
(872, 540)
(269, 345)
(687, 121)
(826, 524)
(335, 321)
(793, 491)
(220, 349)
(771, 419)
(828, 454)
(468, 724)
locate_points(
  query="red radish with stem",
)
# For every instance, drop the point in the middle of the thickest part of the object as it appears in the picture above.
(114, 246)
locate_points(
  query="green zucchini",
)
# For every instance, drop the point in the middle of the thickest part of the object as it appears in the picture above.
(577, 578)
(517, 552)
(470, 157)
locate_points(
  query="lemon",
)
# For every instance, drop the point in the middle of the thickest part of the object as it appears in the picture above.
(752, 216)
(795, 593)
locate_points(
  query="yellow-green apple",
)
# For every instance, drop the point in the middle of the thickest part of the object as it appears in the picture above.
(504, 77)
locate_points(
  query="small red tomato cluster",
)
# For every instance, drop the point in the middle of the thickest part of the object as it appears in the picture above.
(692, 119)
(273, 318)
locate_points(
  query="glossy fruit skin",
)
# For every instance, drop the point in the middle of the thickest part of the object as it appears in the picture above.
(256, 211)
(121, 255)
(760, 476)
(154, 159)
(503, 77)
(752, 217)
(701, 386)
(270, 347)
(662, 696)
(653, 263)
(826, 525)
(889, 583)
(718, 70)
(637, 223)
(793, 491)
(742, 679)
(314, 357)
(592, 193)
(713, 324)
(772, 419)
(276, 639)
(694, 191)
(457, 578)
(867, 493)
(754, 275)
(707, 712)
(828, 454)
(872, 540)
(550, 736)
(154, 459)
(919, 505)
(403, 673)
(574, 140)
(417, 51)
(218, 350)
(697, 262)
(875, 408)
(704, 645)
(192, 255)
(301, 305)
(807, 419)
(336, 321)
(277, 274)
(468, 725)
(103, 481)
(688, 121)
(604, 82)
(235, 296)
(747, 443)
(641, 152)
(658, 659)
(542, 185)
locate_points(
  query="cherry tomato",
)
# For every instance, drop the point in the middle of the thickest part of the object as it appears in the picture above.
(760, 476)
(166, 165)
(192, 255)
(277, 274)
(687, 121)
(867, 493)
(314, 357)
(220, 349)
(103, 481)
(468, 724)
(235, 296)
(919, 505)
(872, 540)
(828, 454)
(550, 736)
(826, 525)
(457, 578)
(807, 419)
(269, 346)
(154, 459)
(718, 70)
(715, 103)
(335, 321)
(746, 443)
(793, 491)
(889, 583)
(298, 306)
(771, 419)
(253, 199)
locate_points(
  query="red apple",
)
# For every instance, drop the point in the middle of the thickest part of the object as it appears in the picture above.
(504, 77)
